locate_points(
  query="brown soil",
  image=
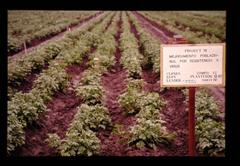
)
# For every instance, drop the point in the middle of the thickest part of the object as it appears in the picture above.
(165, 30)
(151, 81)
(174, 114)
(114, 83)
(134, 31)
(176, 118)
(62, 108)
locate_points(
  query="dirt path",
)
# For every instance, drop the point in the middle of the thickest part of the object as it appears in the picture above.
(52, 38)
(158, 32)
(176, 118)
(114, 83)
(62, 109)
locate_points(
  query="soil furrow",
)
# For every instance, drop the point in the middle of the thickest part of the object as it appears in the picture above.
(176, 118)
(114, 83)
(174, 113)
(160, 33)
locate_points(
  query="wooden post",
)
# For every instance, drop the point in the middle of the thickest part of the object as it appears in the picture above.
(191, 122)
(25, 47)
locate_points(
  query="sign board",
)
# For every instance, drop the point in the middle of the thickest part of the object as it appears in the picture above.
(192, 65)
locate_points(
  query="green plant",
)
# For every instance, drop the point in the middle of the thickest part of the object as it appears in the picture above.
(51, 80)
(210, 129)
(91, 94)
(206, 106)
(148, 112)
(78, 142)
(131, 58)
(129, 101)
(90, 77)
(93, 117)
(149, 133)
(26, 106)
(152, 100)
(149, 46)
(118, 129)
(135, 84)
(210, 137)
(15, 132)
(13, 45)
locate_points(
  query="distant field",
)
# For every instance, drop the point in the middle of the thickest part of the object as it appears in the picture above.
(30, 26)
(196, 26)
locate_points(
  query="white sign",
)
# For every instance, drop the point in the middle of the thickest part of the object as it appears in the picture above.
(185, 65)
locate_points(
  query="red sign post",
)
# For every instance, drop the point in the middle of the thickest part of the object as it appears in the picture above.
(191, 122)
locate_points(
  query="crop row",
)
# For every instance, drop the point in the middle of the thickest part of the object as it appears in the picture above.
(148, 44)
(80, 138)
(149, 129)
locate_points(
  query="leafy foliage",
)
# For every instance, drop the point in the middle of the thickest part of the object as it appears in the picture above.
(23, 109)
(211, 137)
(152, 100)
(131, 58)
(26, 106)
(78, 142)
(129, 100)
(91, 94)
(206, 106)
(150, 133)
(187, 24)
(15, 132)
(93, 117)
(210, 129)
(90, 77)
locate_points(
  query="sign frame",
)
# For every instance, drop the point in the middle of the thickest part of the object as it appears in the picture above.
(194, 85)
